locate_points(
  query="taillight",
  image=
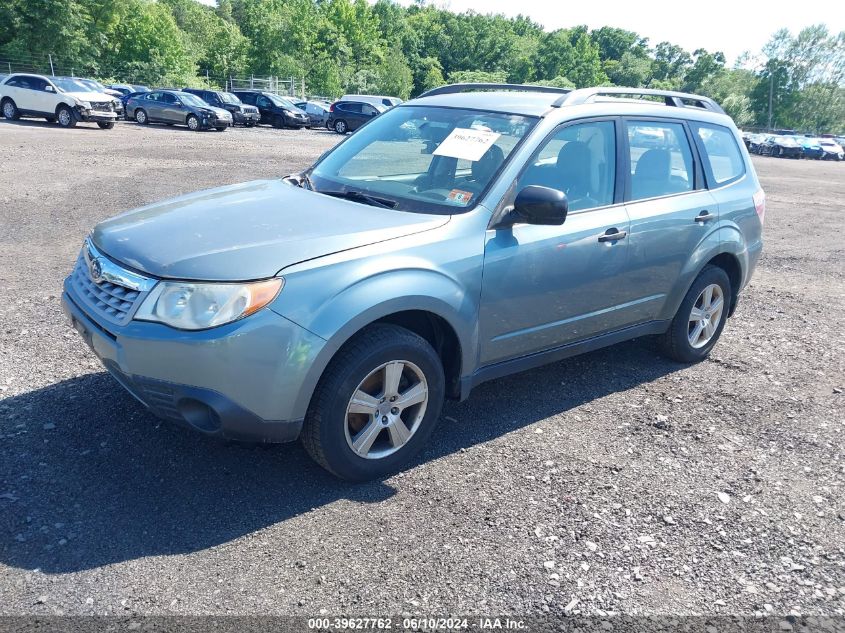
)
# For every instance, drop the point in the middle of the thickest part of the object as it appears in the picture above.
(760, 205)
(331, 108)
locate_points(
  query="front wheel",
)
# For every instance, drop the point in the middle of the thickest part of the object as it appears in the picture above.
(700, 319)
(340, 127)
(105, 125)
(376, 404)
(65, 117)
(193, 123)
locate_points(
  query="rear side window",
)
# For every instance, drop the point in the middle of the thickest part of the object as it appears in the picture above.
(722, 158)
(353, 108)
(661, 159)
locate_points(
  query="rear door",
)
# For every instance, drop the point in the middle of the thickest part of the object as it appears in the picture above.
(23, 94)
(265, 107)
(670, 209)
(152, 106)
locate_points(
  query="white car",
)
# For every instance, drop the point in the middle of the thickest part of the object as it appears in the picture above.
(831, 150)
(61, 99)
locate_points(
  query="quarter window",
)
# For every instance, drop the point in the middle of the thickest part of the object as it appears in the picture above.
(579, 160)
(661, 159)
(721, 153)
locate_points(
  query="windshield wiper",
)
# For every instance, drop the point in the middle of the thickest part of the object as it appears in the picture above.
(360, 196)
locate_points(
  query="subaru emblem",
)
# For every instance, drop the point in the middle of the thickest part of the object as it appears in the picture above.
(95, 270)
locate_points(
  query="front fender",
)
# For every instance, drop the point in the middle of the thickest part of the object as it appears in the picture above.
(378, 292)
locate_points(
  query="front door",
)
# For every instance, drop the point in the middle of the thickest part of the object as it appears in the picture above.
(546, 286)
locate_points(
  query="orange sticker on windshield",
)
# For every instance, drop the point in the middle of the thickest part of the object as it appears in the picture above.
(462, 197)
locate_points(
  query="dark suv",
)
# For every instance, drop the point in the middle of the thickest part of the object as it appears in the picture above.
(348, 116)
(242, 113)
(274, 110)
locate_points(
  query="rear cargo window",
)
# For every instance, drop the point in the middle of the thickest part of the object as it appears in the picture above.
(721, 154)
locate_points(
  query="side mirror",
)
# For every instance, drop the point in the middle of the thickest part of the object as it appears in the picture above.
(541, 205)
(49, 88)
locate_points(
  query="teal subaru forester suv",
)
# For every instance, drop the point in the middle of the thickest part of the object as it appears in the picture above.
(476, 231)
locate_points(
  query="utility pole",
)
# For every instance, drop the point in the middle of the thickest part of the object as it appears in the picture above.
(771, 96)
(52, 71)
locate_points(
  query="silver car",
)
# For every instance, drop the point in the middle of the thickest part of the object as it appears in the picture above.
(459, 237)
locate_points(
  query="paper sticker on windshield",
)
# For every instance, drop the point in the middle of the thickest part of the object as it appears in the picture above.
(466, 144)
(461, 197)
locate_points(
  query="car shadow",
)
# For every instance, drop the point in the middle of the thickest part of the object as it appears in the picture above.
(81, 125)
(89, 478)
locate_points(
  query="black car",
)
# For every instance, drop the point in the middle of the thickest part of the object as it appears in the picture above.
(242, 113)
(274, 110)
(176, 107)
(780, 146)
(348, 116)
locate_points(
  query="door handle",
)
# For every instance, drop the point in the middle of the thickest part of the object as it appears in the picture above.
(611, 235)
(704, 216)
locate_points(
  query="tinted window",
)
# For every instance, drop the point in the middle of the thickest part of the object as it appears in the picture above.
(721, 153)
(264, 102)
(579, 160)
(24, 82)
(247, 97)
(352, 108)
(38, 84)
(661, 159)
(166, 97)
(369, 110)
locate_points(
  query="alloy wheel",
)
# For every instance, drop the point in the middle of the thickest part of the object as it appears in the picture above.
(9, 110)
(705, 316)
(193, 123)
(64, 117)
(386, 409)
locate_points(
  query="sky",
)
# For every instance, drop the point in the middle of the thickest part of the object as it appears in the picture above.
(730, 26)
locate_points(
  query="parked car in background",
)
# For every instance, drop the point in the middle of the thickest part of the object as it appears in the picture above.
(810, 147)
(140, 88)
(348, 116)
(96, 86)
(345, 303)
(241, 112)
(123, 89)
(831, 150)
(317, 111)
(59, 99)
(174, 107)
(781, 147)
(274, 110)
(378, 100)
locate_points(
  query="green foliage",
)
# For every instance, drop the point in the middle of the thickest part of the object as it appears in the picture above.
(384, 47)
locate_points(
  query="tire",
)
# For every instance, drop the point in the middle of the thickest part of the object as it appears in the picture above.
(193, 123)
(141, 116)
(680, 342)
(10, 110)
(220, 129)
(65, 117)
(105, 125)
(341, 127)
(278, 122)
(363, 366)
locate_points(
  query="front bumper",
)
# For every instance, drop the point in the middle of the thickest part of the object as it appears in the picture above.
(238, 381)
(91, 116)
(246, 117)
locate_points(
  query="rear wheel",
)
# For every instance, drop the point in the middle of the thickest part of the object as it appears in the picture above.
(340, 126)
(376, 404)
(193, 123)
(141, 116)
(65, 117)
(10, 110)
(105, 125)
(700, 319)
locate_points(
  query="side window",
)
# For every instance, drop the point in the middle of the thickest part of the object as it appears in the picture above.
(25, 83)
(152, 96)
(368, 110)
(38, 84)
(354, 108)
(264, 102)
(661, 159)
(579, 160)
(722, 157)
(166, 97)
(247, 97)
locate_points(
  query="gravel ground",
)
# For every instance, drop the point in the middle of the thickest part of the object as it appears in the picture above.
(612, 482)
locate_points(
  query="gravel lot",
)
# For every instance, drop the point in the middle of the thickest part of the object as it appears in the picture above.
(612, 482)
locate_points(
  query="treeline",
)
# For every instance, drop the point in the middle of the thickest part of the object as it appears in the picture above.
(353, 46)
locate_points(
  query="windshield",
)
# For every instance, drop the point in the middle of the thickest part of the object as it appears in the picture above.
(423, 159)
(228, 97)
(189, 99)
(96, 86)
(71, 85)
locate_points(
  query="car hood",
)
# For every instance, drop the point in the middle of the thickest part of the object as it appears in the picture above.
(247, 231)
(91, 97)
(220, 112)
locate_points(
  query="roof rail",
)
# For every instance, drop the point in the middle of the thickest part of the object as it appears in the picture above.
(670, 98)
(469, 87)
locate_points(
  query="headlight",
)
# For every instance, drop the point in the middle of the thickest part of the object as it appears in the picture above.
(197, 306)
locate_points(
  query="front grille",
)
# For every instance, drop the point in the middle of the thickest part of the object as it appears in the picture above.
(102, 107)
(110, 301)
(250, 109)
